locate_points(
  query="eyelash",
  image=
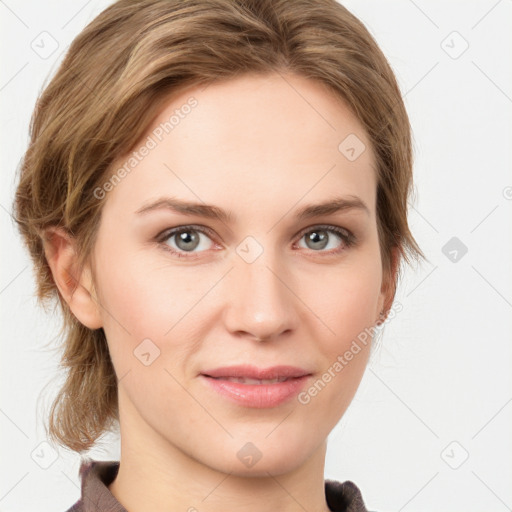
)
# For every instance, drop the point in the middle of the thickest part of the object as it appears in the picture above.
(348, 238)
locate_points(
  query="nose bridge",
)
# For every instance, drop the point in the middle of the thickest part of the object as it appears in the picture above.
(260, 304)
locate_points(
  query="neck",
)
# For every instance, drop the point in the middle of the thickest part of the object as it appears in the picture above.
(158, 476)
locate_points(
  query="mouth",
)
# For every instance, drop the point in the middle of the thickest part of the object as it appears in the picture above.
(247, 380)
(248, 372)
(249, 386)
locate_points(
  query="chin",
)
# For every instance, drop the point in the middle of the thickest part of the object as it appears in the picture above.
(261, 454)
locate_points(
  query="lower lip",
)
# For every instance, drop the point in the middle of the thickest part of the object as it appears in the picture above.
(259, 396)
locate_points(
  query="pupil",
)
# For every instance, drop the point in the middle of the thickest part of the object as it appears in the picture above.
(187, 240)
(318, 238)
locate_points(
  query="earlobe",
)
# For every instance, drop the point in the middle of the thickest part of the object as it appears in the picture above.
(75, 285)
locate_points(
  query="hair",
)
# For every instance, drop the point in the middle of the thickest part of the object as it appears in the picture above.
(111, 84)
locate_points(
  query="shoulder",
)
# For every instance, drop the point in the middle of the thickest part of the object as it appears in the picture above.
(95, 478)
(77, 507)
(344, 496)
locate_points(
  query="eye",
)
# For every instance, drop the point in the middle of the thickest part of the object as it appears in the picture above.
(320, 238)
(185, 239)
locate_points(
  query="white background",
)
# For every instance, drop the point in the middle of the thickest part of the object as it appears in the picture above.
(439, 389)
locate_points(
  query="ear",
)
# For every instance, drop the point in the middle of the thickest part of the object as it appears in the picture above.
(75, 286)
(389, 282)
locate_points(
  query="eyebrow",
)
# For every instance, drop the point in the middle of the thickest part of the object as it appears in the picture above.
(338, 204)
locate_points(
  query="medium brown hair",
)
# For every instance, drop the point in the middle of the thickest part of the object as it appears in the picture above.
(114, 79)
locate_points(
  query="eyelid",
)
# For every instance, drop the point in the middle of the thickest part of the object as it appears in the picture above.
(348, 238)
(346, 235)
(168, 232)
(327, 227)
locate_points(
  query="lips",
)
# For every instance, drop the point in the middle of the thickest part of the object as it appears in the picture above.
(246, 380)
(250, 386)
(249, 372)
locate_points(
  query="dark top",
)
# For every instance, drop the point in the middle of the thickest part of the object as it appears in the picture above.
(96, 496)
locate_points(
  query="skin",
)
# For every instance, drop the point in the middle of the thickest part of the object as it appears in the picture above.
(261, 147)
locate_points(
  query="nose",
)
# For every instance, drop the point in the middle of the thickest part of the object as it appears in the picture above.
(261, 304)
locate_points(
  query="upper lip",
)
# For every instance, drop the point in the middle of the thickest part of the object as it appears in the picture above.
(253, 372)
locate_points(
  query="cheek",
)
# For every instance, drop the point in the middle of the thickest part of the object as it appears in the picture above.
(150, 298)
(346, 305)
(345, 300)
(145, 300)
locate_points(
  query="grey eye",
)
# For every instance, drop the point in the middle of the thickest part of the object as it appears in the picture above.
(187, 240)
(317, 239)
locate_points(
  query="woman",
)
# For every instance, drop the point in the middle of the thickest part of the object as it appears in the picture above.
(271, 138)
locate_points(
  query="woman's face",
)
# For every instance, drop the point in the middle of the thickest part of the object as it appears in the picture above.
(250, 281)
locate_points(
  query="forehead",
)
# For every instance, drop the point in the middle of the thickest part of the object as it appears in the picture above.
(276, 137)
